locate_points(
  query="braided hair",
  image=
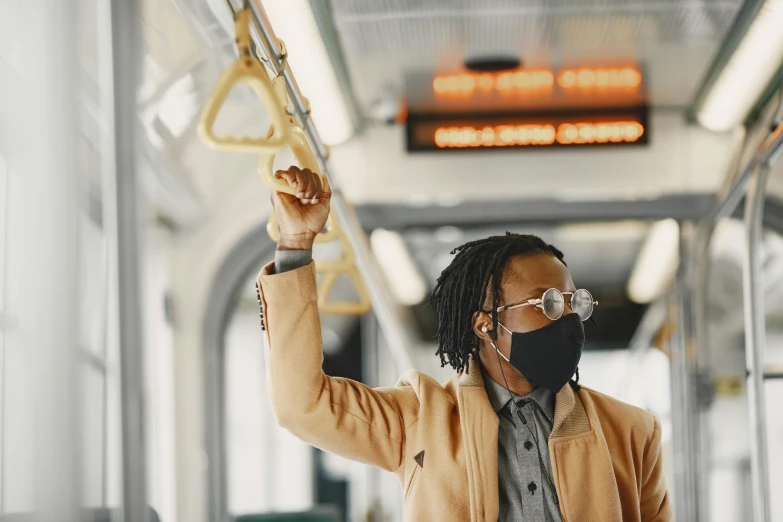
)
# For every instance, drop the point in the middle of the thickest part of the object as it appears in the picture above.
(461, 290)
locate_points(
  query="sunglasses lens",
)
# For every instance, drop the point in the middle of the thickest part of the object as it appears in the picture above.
(582, 304)
(553, 304)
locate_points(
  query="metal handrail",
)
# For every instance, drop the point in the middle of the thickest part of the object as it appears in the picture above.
(752, 180)
(755, 334)
(389, 317)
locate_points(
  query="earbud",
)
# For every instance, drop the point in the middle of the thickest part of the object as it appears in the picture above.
(484, 329)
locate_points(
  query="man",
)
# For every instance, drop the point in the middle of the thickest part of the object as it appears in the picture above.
(508, 437)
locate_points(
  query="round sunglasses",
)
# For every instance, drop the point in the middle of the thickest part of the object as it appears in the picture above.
(553, 303)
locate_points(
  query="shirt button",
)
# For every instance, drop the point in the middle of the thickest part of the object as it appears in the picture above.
(528, 445)
(532, 487)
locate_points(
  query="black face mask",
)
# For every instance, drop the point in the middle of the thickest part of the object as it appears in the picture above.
(549, 357)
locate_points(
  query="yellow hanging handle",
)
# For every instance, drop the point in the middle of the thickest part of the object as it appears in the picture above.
(343, 263)
(249, 71)
(360, 307)
(332, 270)
(297, 142)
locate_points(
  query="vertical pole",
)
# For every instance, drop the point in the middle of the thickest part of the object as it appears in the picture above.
(683, 411)
(754, 343)
(125, 218)
(699, 266)
(703, 383)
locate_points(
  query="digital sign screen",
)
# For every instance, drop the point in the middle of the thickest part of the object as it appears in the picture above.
(580, 80)
(470, 131)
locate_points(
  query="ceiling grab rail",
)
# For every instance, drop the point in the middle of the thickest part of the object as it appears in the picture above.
(386, 309)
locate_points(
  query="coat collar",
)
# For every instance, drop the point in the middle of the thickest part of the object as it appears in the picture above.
(566, 404)
(479, 424)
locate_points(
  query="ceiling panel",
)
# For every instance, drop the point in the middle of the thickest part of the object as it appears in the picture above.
(673, 40)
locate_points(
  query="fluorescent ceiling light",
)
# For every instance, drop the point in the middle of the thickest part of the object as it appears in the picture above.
(748, 72)
(294, 22)
(419, 200)
(657, 263)
(403, 277)
(618, 231)
(448, 234)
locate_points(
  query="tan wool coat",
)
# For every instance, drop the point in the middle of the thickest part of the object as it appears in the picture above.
(441, 440)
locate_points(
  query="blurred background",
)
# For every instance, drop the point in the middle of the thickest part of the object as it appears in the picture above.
(640, 137)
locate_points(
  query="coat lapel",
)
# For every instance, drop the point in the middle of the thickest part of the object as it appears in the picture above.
(581, 464)
(480, 431)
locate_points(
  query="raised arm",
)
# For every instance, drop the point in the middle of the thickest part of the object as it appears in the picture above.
(338, 415)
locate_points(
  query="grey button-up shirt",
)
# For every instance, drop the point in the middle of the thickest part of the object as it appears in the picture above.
(525, 478)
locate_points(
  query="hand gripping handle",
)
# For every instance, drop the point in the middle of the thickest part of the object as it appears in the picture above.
(304, 155)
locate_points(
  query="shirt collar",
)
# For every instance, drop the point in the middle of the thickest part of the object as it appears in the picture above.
(499, 397)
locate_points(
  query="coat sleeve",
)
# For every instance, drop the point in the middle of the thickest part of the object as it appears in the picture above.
(338, 415)
(654, 503)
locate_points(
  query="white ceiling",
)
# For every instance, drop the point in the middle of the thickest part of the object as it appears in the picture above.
(673, 40)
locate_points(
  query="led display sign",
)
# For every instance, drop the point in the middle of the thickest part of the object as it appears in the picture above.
(577, 80)
(433, 132)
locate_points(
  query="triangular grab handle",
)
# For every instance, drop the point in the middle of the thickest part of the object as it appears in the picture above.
(245, 69)
(360, 307)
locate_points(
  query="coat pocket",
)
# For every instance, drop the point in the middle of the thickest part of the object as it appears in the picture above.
(410, 483)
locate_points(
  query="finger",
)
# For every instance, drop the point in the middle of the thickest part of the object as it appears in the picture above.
(326, 189)
(308, 189)
(308, 186)
(296, 173)
(292, 176)
(314, 181)
(317, 183)
(301, 184)
(288, 176)
(320, 190)
(281, 198)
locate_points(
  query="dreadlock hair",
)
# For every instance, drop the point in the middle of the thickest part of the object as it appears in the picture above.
(461, 291)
